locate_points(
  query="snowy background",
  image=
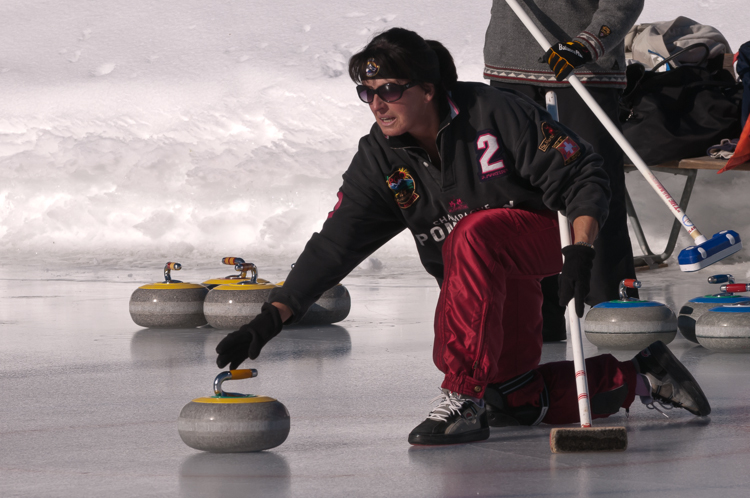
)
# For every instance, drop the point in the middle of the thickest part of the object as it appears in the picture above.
(137, 132)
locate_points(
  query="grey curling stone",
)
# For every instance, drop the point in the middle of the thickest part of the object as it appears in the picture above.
(333, 306)
(233, 423)
(630, 324)
(691, 312)
(233, 305)
(725, 329)
(168, 305)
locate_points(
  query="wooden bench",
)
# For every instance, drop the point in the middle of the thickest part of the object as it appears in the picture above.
(689, 168)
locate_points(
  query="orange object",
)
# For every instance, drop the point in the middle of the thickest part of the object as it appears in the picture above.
(629, 283)
(741, 152)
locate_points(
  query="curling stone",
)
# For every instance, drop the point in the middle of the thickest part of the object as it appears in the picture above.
(629, 323)
(240, 266)
(229, 306)
(726, 329)
(169, 304)
(332, 306)
(695, 308)
(231, 422)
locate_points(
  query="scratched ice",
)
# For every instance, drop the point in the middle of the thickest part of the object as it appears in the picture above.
(90, 403)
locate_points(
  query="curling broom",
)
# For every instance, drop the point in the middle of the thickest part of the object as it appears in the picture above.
(705, 251)
(585, 438)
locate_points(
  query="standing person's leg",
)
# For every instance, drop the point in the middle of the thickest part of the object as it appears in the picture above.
(493, 261)
(614, 253)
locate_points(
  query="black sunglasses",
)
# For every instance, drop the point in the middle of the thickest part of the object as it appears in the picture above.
(390, 92)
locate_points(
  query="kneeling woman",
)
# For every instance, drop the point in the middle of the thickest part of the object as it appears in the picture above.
(476, 174)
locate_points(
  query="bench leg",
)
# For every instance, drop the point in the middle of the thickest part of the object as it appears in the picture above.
(649, 258)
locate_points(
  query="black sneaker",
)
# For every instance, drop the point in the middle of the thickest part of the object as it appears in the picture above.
(456, 419)
(671, 383)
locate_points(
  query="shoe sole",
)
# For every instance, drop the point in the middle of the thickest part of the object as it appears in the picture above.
(681, 375)
(442, 439)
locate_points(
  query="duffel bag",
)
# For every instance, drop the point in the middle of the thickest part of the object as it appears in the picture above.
(679, 113)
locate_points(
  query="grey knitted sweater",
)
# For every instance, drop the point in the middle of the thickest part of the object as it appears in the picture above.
(512, 55)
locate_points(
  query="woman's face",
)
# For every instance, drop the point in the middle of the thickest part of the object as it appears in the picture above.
(409, 114)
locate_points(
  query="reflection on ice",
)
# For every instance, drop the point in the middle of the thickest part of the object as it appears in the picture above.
(208, 475)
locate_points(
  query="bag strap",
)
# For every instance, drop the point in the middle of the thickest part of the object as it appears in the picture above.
(686, 49)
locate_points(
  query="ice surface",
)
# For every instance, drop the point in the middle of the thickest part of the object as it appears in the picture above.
(90, 403)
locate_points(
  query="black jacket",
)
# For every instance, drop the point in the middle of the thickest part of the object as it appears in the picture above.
(498, 149)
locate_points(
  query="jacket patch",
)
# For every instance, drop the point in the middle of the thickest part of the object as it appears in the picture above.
(403, 187)
(456, 205)
(490, 155)
(569, 150)
(604, 31)
(549, 133)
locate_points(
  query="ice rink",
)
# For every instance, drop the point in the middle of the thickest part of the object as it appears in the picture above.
(90, 402)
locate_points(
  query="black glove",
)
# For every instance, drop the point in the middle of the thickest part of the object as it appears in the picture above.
(564, 57)
(576, 275)
(237, 346)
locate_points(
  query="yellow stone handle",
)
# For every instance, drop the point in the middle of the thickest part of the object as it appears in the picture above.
(244, 373)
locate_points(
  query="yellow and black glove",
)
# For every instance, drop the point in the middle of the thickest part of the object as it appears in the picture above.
(564, 57)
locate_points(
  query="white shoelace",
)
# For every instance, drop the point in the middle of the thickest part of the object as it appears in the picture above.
(652, 406)
(449, 403)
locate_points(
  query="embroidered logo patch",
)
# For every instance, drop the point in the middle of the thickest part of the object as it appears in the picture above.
(456, 205)
(569, 150)
(403, 187)
(372, 68)
(490, 155)
(548, 136)
(604, 32)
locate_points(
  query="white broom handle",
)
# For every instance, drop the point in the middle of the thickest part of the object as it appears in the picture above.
(582, 384)
(613, 130)
(579, 363)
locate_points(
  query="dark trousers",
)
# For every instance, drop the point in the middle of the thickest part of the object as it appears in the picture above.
(614, 253)
(488, 319)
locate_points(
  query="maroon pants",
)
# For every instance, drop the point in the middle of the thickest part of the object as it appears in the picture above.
(488, 322)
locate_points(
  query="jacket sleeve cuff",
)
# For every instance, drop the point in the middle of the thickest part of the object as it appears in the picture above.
(591, 42)
(280, 295)
(598, 213)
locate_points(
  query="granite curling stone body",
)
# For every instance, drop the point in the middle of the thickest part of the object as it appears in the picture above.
(232, 305)
(629, 323)
(691, 312)
(726, 329)
(231, 422)
(332, 306)
(168, 304)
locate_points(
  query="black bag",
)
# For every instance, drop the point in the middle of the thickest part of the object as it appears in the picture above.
(679, 113)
